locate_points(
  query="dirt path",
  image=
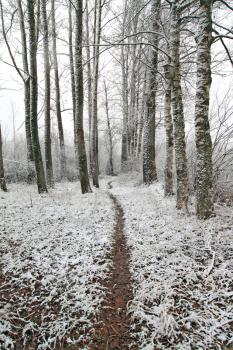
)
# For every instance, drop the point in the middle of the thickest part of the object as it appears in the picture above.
(113, 333)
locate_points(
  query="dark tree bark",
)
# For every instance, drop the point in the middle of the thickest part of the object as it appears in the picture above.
(58, 95)
(40, 176)
(3, 186)
(149, 166)
(83, 169)
(47, 137)
(204, 170)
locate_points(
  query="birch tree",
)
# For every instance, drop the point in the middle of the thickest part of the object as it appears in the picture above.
(24, 76)
(110, 140)
(89, 81)
(47, 96)
(72, 73)
(2, 176)
(149, 166)
(204, 167)
(94, 126)
(40, 176)
(58, 94)
(178, 110)
(82, 157)
(168, 178)
(124, 92)
(141, 116)
(26, 81)
(133, 83)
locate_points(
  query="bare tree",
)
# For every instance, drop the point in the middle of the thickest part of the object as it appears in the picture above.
(149, 166)
(83, 169)
(110, 141)
(124, 92)
(132, 115)
(89, 80)
(204, 171)
(2, 176)
(47, 96)
(26, 81)
(141, 116)
(94, 126)
(168, 178)
(58, 94)
(72, 73)
(41, 183)
(24, 75)
(178, 110)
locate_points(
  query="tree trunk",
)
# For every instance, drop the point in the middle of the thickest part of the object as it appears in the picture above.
(135, 54)
(142, 110)
(40, 176)
(89, 80)
(149, 166)
(111, 170)
(204, 171)
(47, 136)
(124, 142)
(168, 186)
(26, 83)
(83, 169)
(137, 107)
(178, 113)
(72, 76)
(2, 176)
(95, 147)
(58, 95)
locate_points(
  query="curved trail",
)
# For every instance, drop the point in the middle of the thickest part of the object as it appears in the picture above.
(113, 331)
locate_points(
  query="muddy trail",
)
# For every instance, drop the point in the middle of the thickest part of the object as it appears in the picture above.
(113, 331)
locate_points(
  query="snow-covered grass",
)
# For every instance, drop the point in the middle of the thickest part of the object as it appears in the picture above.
(55, 250)
(182, 270)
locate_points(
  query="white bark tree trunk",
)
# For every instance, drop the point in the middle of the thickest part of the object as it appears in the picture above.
(40, 175)
(178, 112)
(2, 176)
(204, 171)
(149, 166)
(82, 157)
(110, 140)
(58, 94)
(94, 126)
(47, 101)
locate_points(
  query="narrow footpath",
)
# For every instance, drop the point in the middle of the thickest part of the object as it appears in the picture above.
(113, 331)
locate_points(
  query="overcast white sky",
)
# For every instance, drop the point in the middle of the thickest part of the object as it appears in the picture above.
(11, 88)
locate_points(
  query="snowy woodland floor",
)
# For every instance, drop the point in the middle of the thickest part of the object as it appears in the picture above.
(56, 254)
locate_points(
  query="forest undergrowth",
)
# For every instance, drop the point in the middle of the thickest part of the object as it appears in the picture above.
(57, 267)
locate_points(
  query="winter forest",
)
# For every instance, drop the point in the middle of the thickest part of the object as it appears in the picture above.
(116, 163)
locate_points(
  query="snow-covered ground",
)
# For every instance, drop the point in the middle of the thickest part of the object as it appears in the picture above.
(54, 250)
(182, 270)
